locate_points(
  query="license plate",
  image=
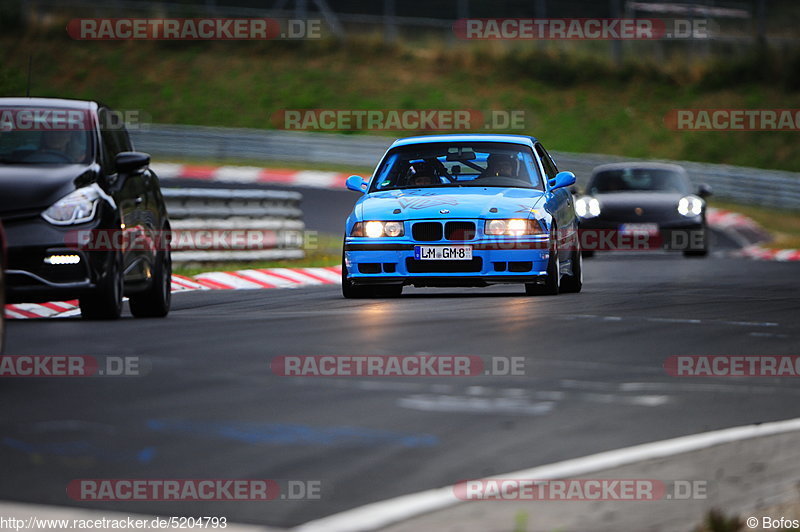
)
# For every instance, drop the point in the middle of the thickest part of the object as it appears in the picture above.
(639, 229)
(443, 252)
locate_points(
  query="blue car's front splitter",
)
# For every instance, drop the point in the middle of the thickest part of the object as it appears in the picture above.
(379, 262)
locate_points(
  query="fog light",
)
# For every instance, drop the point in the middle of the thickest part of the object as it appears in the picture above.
(62, 259)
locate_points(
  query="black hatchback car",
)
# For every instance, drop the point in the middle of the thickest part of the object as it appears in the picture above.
(73, 196)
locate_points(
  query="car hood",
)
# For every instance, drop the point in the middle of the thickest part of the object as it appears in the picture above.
(639, 199)
(639, 206)
(25, 187)
(455, 202)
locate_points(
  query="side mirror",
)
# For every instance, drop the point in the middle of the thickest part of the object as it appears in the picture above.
(561, 180)
(356, 183)
(128, 162)
(704, 190)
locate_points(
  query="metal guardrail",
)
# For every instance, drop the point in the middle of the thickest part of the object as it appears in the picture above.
(216, 225)
(745, 185)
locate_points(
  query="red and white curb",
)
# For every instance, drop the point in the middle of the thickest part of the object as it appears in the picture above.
(722, 219)
(252, 174)
(780, 255)
(740, 224)
(238, 280)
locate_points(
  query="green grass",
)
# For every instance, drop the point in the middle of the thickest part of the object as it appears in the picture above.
(573, 102)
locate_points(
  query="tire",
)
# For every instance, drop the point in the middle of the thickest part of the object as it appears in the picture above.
(350, 290)
(2, 305)
(354, 291)
(156, 301)
(698, 253)
(572, 284)
(550, 286)
(106, 301)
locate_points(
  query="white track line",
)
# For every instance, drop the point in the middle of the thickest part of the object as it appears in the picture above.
(383, 513)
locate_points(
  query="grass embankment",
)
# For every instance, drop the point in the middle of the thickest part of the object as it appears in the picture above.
(573, 102)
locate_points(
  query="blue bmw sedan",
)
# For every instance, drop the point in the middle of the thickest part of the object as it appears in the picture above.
(462, 210)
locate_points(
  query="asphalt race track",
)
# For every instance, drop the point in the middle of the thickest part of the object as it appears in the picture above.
(211, 408)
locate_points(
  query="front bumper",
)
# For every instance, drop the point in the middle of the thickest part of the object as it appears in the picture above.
(391, 261)
(599, 234)
(30, 279)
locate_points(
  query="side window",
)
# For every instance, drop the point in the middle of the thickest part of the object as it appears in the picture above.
(549, 166)
(128, 142)
(123, 142)
(111, 144)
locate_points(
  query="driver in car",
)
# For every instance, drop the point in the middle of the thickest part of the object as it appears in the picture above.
(60, 142)
(423, 174)
(500, 165)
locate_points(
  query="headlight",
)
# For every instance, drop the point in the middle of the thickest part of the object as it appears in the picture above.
(512, 227)
(587, 207)
(375, 229)
(74, 208)
(690, 206)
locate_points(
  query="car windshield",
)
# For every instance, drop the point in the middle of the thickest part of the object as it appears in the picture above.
(638, 179)
(461, 164)
(44, 136)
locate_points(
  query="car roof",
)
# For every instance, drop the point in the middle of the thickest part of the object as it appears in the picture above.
(465, 137)
(645, 165)
(59, 103)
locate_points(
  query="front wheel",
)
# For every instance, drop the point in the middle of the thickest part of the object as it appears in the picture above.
(2, 306)
(550, 286)
(572, 284)
(351, 290)
(156, 301)
(106, 301)
(701, 250)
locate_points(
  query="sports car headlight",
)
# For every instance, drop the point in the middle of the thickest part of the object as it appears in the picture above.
(76, 207)
(690, 206)
(376, 229)
(587, 207)
(512, 227)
